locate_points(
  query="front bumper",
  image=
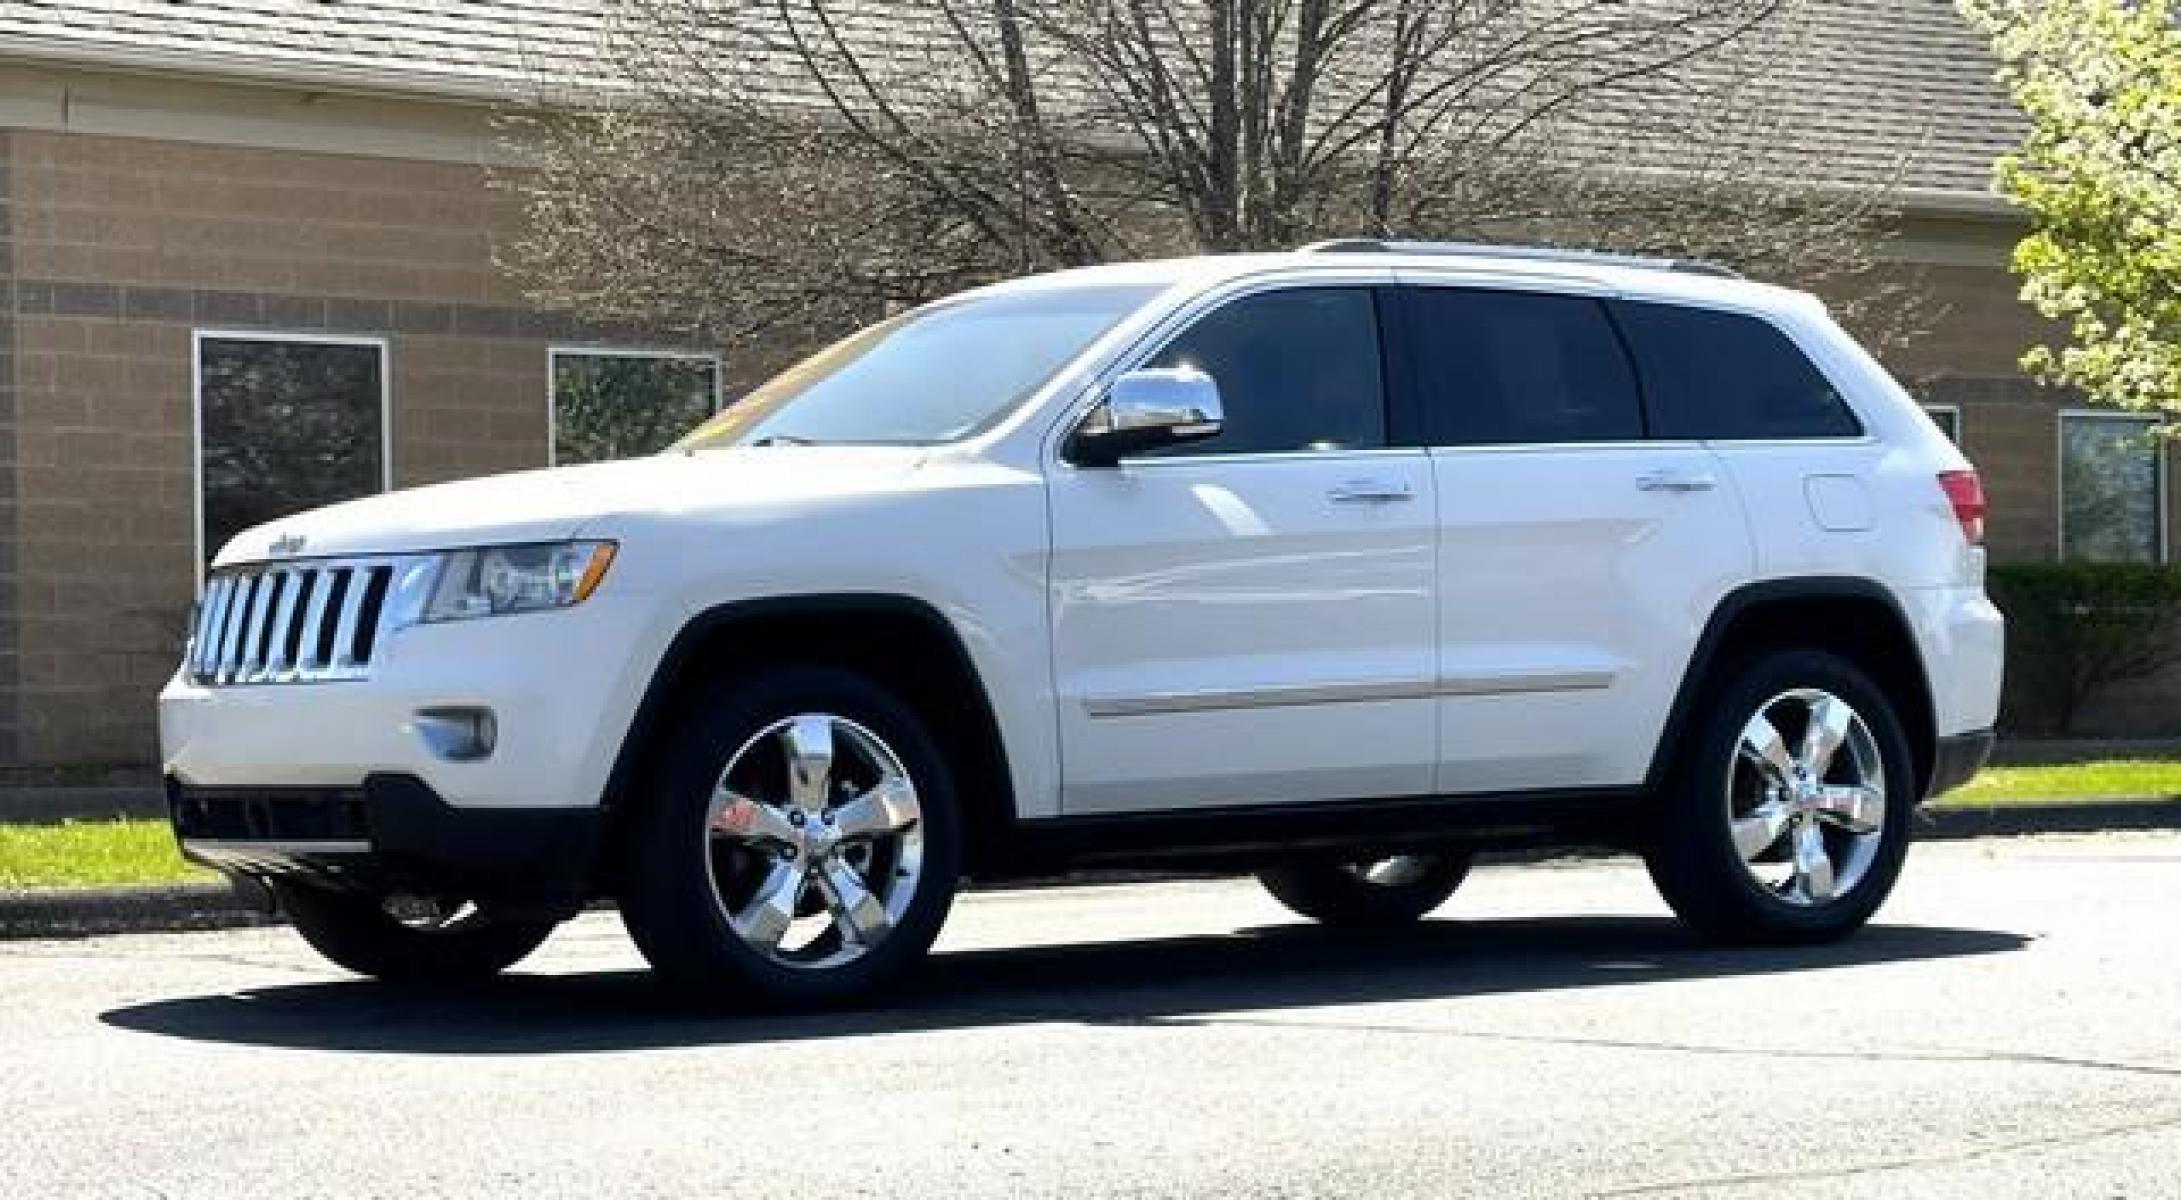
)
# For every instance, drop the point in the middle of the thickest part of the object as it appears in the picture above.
(560, 687)
(1957, 758)
(393, 833)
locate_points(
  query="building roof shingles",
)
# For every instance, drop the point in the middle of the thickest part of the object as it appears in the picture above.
(1875, 83)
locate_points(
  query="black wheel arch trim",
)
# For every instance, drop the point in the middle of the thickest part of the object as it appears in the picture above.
(658, 692)
(1731, 607)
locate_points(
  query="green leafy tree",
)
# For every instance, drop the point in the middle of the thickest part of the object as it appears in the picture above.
(2100, 177)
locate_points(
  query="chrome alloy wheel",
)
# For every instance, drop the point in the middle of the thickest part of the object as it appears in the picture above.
(815, 841)
(431, 914)
(1806, 797)
(1399, 870)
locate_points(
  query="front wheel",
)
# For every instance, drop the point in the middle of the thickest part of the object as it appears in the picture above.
(1787, 818)
(408, 939)
(1369, 893)
(800, 846)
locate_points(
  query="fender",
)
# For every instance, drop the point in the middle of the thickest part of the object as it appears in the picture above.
(659, 692)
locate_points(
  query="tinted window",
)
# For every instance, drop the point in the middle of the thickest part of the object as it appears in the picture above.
(1297, 370)
(1725, 375)
(287, 426)
(1498, 367)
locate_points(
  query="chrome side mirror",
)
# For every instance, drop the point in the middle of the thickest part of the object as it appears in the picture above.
(1144, 410)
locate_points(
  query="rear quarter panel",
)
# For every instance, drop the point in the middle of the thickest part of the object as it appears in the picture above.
(1872, 508)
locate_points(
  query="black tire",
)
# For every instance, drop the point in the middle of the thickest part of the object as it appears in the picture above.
(668, 899)
(1340, 893)
(355, 931)
(1692, 856)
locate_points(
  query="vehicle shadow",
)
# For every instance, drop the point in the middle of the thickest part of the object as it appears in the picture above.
(1171, 980)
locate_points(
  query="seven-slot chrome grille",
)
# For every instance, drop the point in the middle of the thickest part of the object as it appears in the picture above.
(297, 622)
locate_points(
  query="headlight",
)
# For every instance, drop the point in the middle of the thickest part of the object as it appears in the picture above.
(492, 580)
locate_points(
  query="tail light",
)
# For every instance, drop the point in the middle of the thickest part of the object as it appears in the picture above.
(1966, 493)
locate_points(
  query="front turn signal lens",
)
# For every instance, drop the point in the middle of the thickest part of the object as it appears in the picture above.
(595, 573)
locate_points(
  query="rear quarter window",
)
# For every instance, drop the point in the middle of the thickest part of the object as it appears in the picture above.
(1727, 376)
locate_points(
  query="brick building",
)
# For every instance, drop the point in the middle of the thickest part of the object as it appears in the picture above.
(203, 198)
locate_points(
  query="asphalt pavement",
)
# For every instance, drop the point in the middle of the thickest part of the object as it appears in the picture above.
(2010, 1027)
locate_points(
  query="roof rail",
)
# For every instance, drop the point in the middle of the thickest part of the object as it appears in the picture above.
(1692, 266)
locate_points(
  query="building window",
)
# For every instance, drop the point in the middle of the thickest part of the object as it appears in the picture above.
(623, 403)
(285, 423)
(2112, 488)
(1948, 418)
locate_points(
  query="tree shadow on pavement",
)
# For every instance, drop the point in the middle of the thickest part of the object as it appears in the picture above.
(1171, 980)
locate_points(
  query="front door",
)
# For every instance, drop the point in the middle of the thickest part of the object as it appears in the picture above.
(1250, 619)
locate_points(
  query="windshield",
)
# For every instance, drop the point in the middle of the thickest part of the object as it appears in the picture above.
(932, 375)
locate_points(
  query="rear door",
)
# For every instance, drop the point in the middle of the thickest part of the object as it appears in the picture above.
(1579, 556)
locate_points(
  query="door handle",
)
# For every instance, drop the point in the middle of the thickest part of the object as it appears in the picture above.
(1676, 481)
(1370, 491)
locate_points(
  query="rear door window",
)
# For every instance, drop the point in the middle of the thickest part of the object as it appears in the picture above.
(1725, 376)
(1508, 367)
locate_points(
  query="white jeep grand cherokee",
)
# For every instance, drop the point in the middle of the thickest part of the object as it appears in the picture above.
(1335, 566)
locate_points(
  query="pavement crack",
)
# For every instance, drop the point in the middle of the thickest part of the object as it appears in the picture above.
(1910, 1162)
(217, 958)
(1935, 1057)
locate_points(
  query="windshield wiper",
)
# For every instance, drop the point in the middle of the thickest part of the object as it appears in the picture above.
(784, 439)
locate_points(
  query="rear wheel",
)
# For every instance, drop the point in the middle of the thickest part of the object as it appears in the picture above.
(1369, 892)
(1787, 820)
(408, 939)
(801, 847)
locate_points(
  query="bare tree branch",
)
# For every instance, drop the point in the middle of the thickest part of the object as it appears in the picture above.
(777, 169)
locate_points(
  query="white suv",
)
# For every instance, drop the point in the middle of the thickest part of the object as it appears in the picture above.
(1335, 565)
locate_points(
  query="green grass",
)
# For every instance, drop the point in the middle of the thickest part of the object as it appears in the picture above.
(91, 854)
(2071, 781)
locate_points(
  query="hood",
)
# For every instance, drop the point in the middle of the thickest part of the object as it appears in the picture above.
(563, 502)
